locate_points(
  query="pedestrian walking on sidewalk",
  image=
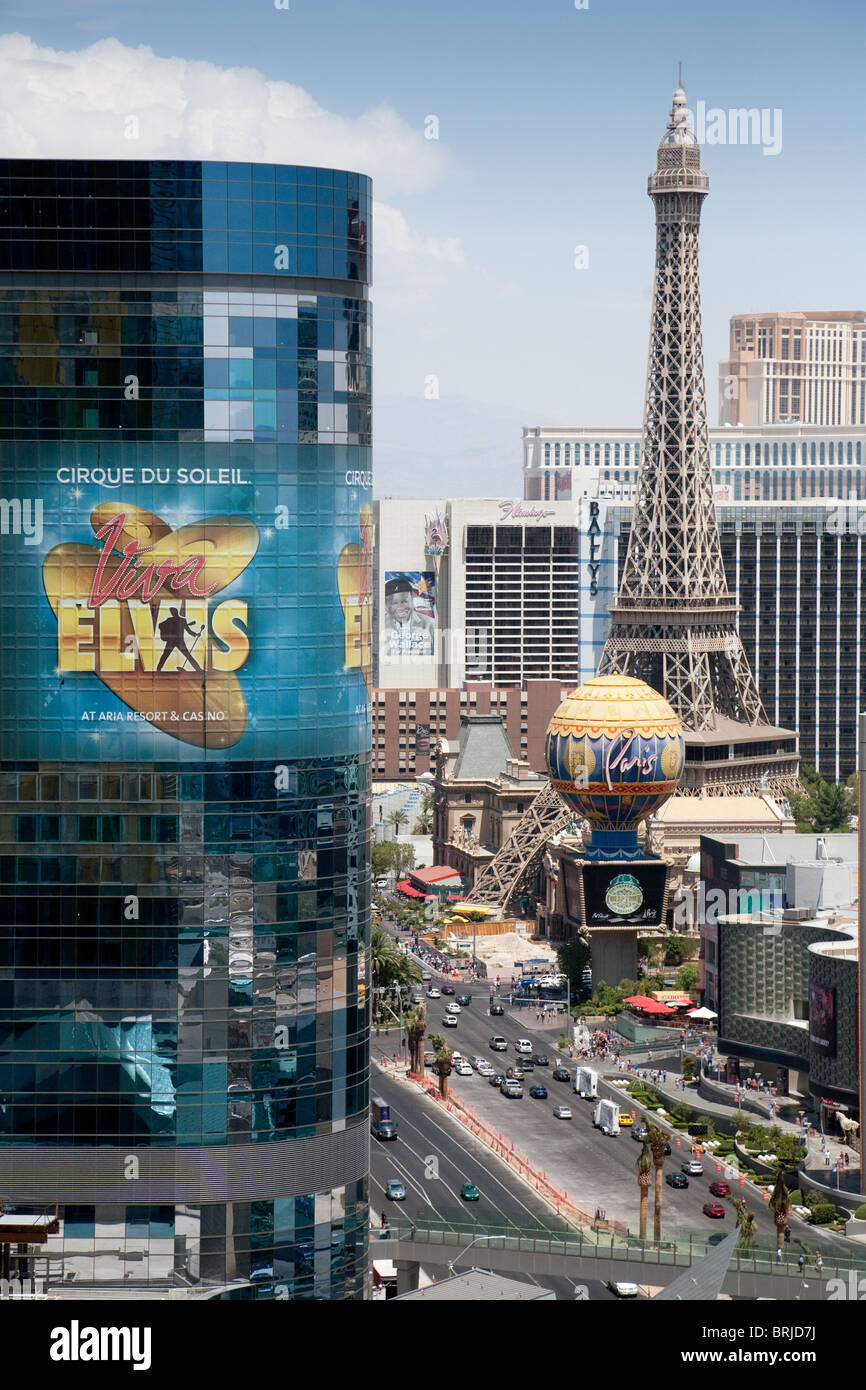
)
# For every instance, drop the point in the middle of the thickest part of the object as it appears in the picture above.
(779, 1255)
(819, 1262)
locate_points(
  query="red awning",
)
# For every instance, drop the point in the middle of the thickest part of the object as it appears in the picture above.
(647, 1006)
(406, 888)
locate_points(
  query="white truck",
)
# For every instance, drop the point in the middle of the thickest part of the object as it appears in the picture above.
(586, 1083)
(605, 1116)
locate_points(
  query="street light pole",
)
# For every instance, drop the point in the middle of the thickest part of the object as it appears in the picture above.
(452, 1263)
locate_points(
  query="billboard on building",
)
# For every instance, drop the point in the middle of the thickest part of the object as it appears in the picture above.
(822, 1018)
(409, 628)
(157, 608)
(624, 895)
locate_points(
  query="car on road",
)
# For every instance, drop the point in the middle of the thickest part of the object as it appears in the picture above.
(515, 1073)
(496, 1010)
(720, 1189)
(562, 1112)
(639, 1132)
(395, 1190)
(429, 1058)
(512, 1088)
(538, 1092)
(453, 1008)
(448, 989)
(623, 1288)
(498, 1044)
(417, 997)
(464, 1000)
(692, 1167)
(524, 1047)
(626, 1120)
(676, 1180)
(496, 1078)
(433, 994)
(485, 1069)
(463, 1069)
(477, 1062)
(469, 1192)
(715, 1209)
(561, 1074)
(425, 975)
(450, 1021)
(540, 1060)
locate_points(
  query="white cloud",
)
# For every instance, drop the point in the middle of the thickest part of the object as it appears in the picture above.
(75, 105)
(408, 268)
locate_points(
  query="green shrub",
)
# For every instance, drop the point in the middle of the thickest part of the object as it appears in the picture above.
(757, 1138)
(787, 1149)
(860, 1213)
(797, 1198)
(822, 1213)
(812, 1198)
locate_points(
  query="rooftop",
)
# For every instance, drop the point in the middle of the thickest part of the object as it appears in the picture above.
(478, 1286)
(484, 750)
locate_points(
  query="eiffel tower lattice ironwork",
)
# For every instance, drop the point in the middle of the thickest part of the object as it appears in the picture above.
(674, 622)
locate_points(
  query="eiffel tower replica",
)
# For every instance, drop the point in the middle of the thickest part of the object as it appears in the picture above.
(674, 623)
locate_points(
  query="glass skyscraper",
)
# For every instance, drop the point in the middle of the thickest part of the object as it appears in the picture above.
(185, 627)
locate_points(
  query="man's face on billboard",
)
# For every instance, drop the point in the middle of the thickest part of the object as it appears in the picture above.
(399, 606)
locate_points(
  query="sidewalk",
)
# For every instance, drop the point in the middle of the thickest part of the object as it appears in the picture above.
(818, 1160)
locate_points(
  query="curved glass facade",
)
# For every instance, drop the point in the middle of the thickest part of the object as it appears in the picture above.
(185, 643)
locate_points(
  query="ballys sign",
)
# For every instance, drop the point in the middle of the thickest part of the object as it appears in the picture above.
(141, 611)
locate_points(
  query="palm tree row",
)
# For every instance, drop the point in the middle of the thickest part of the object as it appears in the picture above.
(652, 1154)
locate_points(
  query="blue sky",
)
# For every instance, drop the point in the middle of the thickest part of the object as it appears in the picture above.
(548, 121)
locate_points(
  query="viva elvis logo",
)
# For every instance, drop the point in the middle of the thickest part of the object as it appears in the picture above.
(141, 611)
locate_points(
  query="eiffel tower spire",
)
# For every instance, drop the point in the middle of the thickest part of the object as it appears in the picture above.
(674, 621)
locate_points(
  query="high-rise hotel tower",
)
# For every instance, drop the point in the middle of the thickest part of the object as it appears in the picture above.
(186, 572)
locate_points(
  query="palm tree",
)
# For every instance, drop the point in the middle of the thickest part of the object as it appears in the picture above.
(443, 1062)
(389, 967)
(415, 1023)
(657, 1139)
(780, 1200)
(397, 818)
(746, 1225)
(644, 1178)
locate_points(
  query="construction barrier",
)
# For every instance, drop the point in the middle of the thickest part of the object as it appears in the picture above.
(517, 1161)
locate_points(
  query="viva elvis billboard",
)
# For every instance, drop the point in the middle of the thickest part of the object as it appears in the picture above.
(162, 622)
